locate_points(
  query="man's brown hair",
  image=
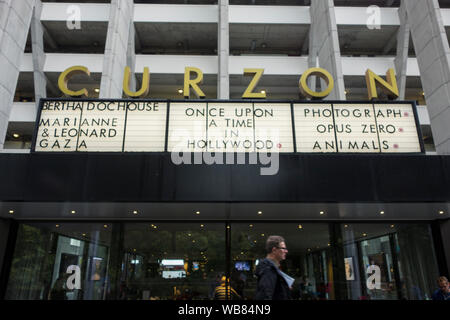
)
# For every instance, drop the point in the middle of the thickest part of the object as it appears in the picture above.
(442, 279)
(273, 242)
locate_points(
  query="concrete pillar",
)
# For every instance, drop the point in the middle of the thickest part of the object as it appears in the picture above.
(6, 227)
(223, 81)
(131, 56)
(326, 44)
(37, 45)
(116, 48)
(15, 19)
(401, 60)
(433, 56)
(445, 235)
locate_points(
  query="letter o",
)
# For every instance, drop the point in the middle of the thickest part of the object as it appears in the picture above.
(321, 73)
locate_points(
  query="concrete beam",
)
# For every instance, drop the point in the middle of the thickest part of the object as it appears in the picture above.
(223, 49)
(175, 64)
(116, 48)
(401, 60)
(433, 57)
(15, 20)
(325, 44)
(37, 45)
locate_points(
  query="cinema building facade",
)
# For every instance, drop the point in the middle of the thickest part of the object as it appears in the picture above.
(117, 187)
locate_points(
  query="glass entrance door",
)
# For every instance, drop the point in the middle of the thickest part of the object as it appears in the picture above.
(376, 254)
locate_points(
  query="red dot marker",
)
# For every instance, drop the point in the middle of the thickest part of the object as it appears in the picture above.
(406, 114)
(395, 146)
(401, 129)
(279, 146)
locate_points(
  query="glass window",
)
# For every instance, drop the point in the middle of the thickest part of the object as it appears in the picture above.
(308, 259)
(64, 261)
(389, 261)
(176, 261)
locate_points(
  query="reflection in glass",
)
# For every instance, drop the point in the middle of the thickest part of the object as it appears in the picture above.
(403, 253)
(308, 259)
(172, 261)
(59, 262)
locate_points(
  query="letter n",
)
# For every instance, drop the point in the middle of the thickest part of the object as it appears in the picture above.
(389, 87)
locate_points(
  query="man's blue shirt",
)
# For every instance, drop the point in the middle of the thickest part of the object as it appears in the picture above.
(440, 296)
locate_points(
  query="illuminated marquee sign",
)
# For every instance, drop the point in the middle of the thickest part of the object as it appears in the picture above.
(226, 126)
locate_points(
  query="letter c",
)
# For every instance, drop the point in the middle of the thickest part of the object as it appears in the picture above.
(65, 77)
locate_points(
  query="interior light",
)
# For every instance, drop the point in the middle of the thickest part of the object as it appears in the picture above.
(135, 212)
(105, 226)
(364, 234)
(11, 211)
(57, 226)
(180, 91)
(263, 91)
(381, 212)
(321, 212)
(97, 90)
(300, 226)
(441, 212)
(16, 135)
(260, 212)
(73, 212)
(251, 226)
(197, 213)
(201, 226)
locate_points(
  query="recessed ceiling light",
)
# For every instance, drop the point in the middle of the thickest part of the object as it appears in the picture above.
(73, 212)
(201, 226)
(381, 212)
(263, 91)
(441, 212)
(84, 234)
(97, 90)
(392, 226)
(346, 226)
(197, 213)
(260, 212)
(16, 135)
(105, 226)
(135, 212)
(180, 91)
(300, 226)
(364, 234)
(251, 226)
(57, 225)
(321, 212)
(11, 211)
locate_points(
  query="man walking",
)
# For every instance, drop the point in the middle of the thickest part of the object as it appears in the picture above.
(443, 293)
(273, 284)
